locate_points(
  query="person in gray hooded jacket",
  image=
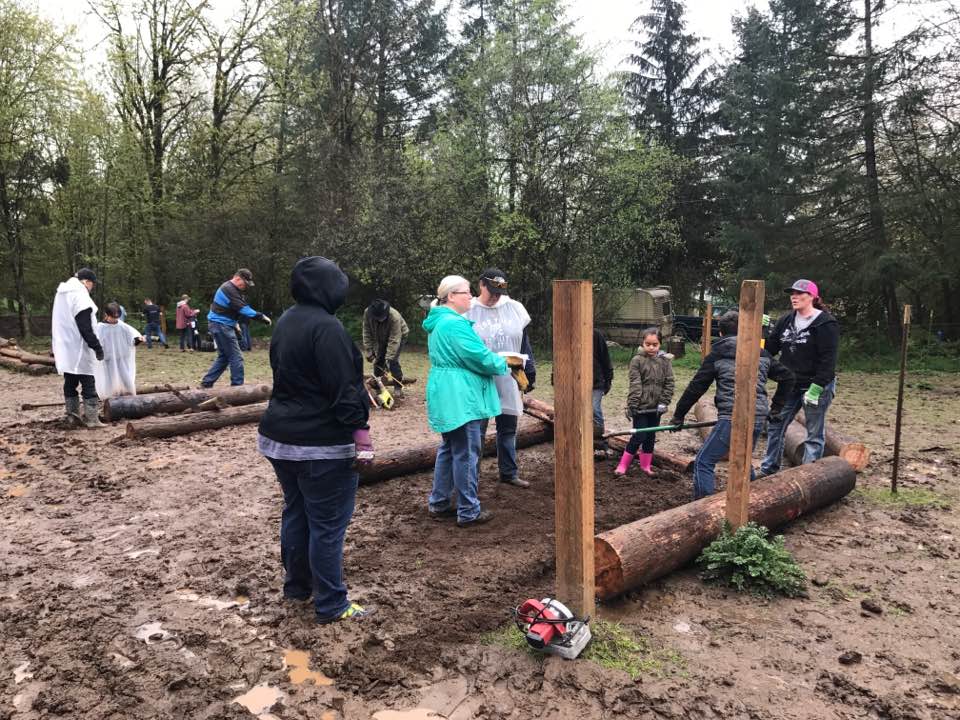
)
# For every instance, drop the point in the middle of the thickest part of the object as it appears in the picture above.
(720, 367)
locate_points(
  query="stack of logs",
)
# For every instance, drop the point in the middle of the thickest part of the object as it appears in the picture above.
(19, 360)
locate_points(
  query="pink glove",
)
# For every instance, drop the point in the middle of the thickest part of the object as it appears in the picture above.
(361, 438)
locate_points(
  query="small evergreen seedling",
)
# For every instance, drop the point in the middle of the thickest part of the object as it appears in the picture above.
(749, 560)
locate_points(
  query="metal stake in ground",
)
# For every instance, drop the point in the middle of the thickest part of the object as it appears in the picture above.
(903, 372)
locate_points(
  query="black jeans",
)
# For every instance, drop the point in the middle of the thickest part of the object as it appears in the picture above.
(381, 366)
(186, 338)
(644, 440)
(71, 382)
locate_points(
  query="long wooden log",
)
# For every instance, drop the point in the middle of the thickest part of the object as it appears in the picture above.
(543, 411)
(149, 389)
(28, 368)
(837, 443)
(28, 357)
(186, 424)
(635, 554)
(407, 461)
(132, 407)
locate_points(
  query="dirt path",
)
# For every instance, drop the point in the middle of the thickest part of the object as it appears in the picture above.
(141, 579)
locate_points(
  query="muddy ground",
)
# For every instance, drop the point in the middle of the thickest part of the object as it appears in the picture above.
(142, 580)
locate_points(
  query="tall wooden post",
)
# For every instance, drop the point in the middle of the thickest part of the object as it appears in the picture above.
(706, 337)
(573, 442)
(903, 371)
(749, 334)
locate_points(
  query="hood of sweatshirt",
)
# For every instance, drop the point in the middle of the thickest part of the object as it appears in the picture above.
(437, 313)
(319, 281)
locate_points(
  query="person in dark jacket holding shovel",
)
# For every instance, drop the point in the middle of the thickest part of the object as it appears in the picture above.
(720, 367)
(808, 342)
(313, 431)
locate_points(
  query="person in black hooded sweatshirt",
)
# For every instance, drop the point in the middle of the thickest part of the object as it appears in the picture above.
(314, 428)
(808, 341)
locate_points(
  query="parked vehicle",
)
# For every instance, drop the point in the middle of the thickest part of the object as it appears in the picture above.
(625, 313)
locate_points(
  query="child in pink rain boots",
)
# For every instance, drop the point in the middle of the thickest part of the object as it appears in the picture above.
(651, 389)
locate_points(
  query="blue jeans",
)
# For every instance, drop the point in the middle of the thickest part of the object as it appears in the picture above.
(244, 337)
(228, 353)
(318, 501)
(816, 422)
(714, 448)
(506, 445)
(456, 471)
(152, 329)
(598, 408)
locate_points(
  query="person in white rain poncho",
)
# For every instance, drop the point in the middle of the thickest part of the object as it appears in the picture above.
(117, 374)
(76, 348)
(501, 323)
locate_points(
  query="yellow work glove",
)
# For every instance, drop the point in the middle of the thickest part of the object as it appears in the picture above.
(520, 376)
(386, 399)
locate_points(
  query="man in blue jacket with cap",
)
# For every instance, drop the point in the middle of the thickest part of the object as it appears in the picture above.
(227, 307)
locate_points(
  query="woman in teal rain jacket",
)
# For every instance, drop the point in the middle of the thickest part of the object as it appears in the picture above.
(460, 394)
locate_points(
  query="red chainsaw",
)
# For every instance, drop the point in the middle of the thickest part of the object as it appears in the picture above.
(549, 625)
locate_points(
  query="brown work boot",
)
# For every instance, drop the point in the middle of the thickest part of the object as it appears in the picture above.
(516, 482)
(485, 516)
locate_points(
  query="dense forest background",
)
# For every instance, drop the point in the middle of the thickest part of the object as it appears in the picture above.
(410, 139)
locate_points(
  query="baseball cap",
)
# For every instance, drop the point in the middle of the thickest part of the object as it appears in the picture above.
(807, 286)
(495, 279)
(380, 309)
(86, 274)
(246, 275)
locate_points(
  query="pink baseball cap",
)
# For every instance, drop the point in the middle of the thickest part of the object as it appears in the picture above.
(807, 286)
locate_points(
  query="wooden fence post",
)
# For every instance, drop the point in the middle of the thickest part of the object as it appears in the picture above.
(706, 337)
(749, 334)
(573, 443)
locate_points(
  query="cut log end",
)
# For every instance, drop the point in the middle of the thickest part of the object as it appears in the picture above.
(607, 568)
(857, 454)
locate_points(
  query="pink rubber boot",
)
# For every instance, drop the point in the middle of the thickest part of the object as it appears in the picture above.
(625, 461)
(646, 462)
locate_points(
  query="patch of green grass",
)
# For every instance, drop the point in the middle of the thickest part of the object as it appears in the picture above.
(904, 497)
(612, 646)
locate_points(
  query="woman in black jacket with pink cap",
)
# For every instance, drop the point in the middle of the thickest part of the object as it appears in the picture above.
(807, 340)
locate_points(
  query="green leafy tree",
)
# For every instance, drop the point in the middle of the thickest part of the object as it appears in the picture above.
(35, 80)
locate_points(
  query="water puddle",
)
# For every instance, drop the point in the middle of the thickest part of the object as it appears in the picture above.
(18, 491)
(209, 602)
(152, 632)
(259, 699)
(298, 663)
(20, 673)
(415, 714)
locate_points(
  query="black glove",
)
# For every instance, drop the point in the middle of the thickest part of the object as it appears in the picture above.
(676, 422)
(99, 354)
(137, 340)
(529, 386)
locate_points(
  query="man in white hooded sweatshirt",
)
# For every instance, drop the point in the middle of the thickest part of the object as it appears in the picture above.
(76, 348)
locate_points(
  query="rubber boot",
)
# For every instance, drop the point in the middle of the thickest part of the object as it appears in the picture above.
(625, 461)
(646, 462)
(91, 408)
(72, 412)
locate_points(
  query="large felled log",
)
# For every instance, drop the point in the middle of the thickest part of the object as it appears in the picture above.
(29, 368)
(185, 424)
(543, 411)
(131, 407)
(165, 387)
(837, 443)
(632, 555)
(419, 459)
(27, 357)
